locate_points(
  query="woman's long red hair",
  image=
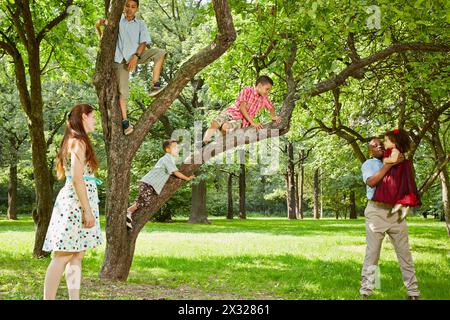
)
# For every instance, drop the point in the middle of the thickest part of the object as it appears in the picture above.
(75, 130)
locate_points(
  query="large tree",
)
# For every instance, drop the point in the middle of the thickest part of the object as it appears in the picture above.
(23, 29)
(121, 149)
(291, 68)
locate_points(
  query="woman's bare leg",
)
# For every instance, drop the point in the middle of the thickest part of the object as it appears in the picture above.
(54, 272)
(73, 275)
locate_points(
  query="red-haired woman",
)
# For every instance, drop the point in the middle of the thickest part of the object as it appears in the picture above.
(398, 186)
(74, 226)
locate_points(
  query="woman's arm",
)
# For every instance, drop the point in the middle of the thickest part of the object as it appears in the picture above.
(78, 159)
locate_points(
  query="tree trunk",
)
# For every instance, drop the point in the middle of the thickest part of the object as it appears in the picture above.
(316, 195)
(12, 184)
(441, 157)
(321, 196)
(263, 191)
(199, 213)
(297, 207)
(120, 149)
(344, 210)
(445, 189)
(43, 185)
(286, 178)
(445, 186)
(353, 214)
(29, 88)
(242, 186)
(300, 188)
(291, 183)
(230, 196)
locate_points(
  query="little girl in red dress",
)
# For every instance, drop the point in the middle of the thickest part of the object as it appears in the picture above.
(398, 186)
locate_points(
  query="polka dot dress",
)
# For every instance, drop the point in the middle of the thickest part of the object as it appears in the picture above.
(65, 231)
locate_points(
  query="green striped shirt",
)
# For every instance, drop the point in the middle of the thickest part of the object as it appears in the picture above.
(158, 176)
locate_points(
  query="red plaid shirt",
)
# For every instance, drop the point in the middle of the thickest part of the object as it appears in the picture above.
(255, 102)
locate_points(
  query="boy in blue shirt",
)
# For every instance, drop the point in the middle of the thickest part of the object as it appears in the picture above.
(130, 51)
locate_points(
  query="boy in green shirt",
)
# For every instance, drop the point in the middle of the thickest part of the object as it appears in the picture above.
(154, 181)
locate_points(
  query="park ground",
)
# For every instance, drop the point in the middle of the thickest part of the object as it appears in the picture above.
(257, 258)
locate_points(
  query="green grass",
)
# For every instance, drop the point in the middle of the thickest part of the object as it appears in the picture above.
(258, 258)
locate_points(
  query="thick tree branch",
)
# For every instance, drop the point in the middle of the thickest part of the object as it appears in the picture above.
(28, 24)
(9, 49)
(20, 74)
(353, 68)
(55, 129)
(48, 60)
(432, 178)
(53, 23)
(15, 16)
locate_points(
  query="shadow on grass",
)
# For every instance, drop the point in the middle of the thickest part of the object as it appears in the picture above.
(242, 277)
(284, 276)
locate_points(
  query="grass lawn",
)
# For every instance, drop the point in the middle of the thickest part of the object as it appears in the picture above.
(258, 258)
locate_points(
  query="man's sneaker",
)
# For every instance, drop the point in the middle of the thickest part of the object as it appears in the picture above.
(127, 127)
(157, 88)
(129, 220)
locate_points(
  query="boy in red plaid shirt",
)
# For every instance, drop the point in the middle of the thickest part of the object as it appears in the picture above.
(241, 114)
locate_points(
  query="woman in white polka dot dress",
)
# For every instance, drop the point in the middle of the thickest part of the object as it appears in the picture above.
(74, 226)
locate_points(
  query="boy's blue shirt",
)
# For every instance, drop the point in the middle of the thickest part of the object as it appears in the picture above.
(131, 35)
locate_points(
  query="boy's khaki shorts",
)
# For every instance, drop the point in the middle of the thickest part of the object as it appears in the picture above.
(225, 117)
(123, 75)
